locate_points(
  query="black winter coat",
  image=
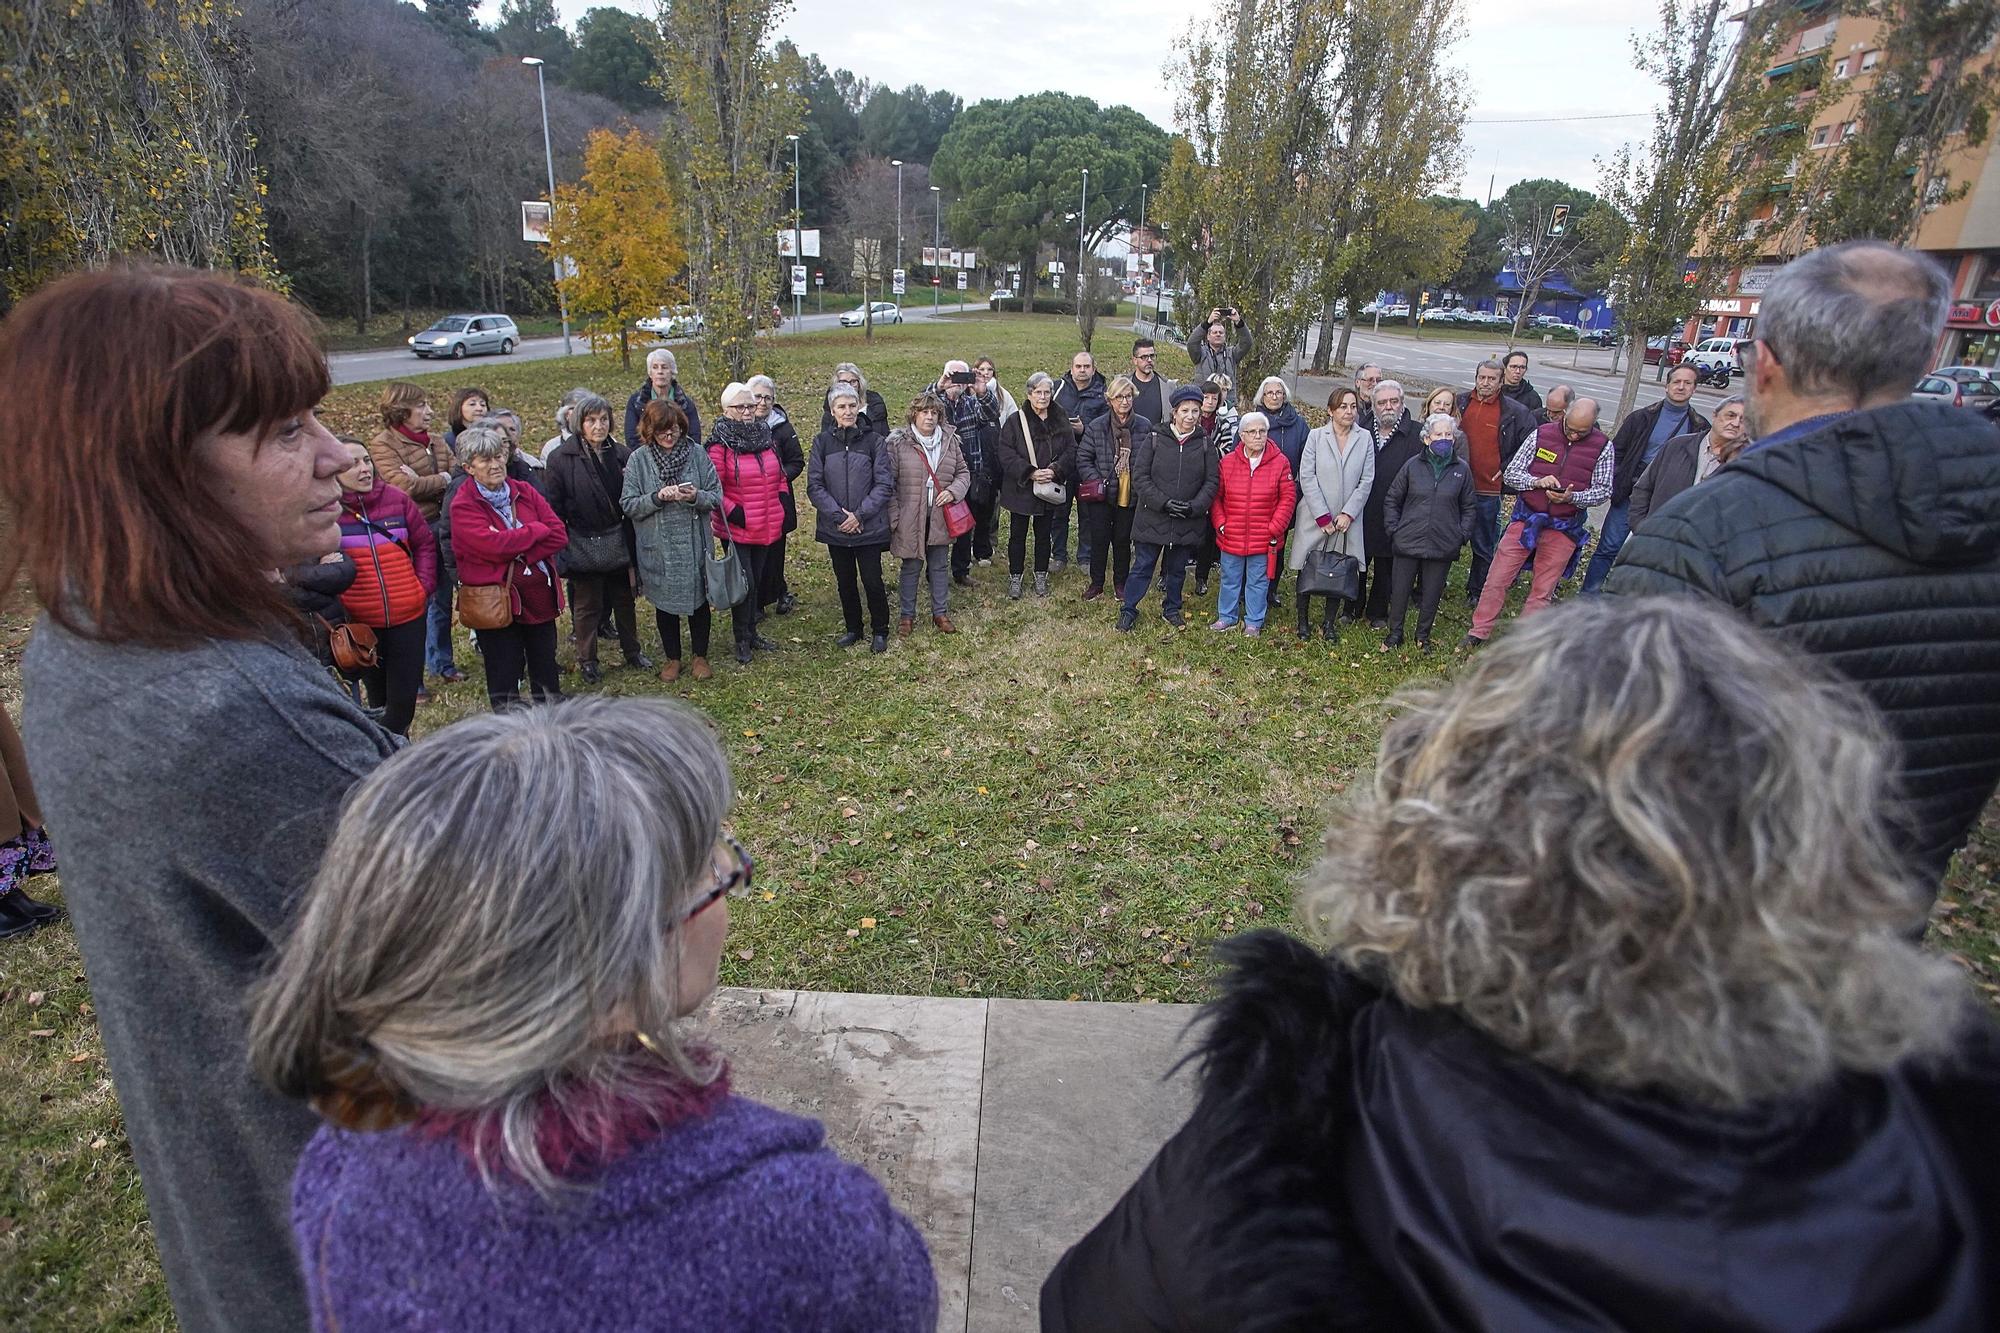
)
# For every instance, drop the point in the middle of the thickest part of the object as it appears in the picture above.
(1430, 517)
(785, 439)
(636, 404)
(584, 498)
(1405, 443)
(1874, 542)
(1055, 448)
(1097, 456)
(1524, 393)
(1668, 475)
(1630, 444)
(1086, 404)
(1354, 1164)
(1163, 469)
(851, 471)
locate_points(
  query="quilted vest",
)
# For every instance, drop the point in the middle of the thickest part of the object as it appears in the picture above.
(1570, 463)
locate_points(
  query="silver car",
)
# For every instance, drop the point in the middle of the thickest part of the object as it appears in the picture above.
(459, 336)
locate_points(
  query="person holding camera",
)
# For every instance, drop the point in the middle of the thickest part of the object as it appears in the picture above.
(1219, 346)
(976, 418)
(1174, 474)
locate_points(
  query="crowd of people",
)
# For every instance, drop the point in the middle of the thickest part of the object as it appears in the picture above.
(1612, 1014)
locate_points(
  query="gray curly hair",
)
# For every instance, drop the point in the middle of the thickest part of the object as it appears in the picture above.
(1680, 879)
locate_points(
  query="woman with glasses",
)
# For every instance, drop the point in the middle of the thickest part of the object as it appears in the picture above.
(519, 1131)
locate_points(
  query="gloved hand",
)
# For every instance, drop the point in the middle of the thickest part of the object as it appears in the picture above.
(1180, 509)
(736, 517)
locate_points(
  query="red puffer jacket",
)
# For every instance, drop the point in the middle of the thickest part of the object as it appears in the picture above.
(1253, 509)
(756, 483)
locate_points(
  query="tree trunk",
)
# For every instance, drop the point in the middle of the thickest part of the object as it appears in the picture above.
(1628, 391)
(365, 308)
(625, 346)
(1346, 334)
(1028, 284)
(1323, 345)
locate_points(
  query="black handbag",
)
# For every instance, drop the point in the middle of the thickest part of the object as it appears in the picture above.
(1331, 573)
(601, 552)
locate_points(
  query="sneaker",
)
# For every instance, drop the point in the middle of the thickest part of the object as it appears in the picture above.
(986, 564)
(1128, 620)
(1014, 586)
(1253, 631)
(1093, 592)
(1041, 585)
(786, 605)
(1469, 644)
(1221, 625)
(1177, 620)
(1201, 587)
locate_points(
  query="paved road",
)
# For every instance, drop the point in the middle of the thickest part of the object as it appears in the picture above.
(401, 363)
(1444, 360)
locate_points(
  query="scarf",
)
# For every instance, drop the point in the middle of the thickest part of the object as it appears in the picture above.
(502, 501)
(744, 437)
(422, 437)
(1121, 440)
(1386, 430)
(670, 463)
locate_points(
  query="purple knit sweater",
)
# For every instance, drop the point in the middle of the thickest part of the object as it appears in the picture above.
(742, 1219)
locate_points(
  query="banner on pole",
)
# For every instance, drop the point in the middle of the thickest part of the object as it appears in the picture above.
(896, 282)
(961, 279)
(809, 239)
(798, 280)
(535, 221)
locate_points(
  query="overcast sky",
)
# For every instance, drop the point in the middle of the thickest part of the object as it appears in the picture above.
(1522, 59)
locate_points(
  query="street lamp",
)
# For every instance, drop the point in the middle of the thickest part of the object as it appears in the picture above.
(1081, 209)
(937, 242)
(1138, 238)
(798, 238)
(897, 163)
(549, 155)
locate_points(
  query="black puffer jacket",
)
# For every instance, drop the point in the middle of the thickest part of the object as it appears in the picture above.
(1055, 449)
(1430, 516)
(1874, 542)
(785, 439)
(1165, 469)
(1354, 1164)
(1635, 432)
(1405, 442)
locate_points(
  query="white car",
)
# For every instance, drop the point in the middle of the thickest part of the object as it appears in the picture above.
(886, 312)
(1398, 311)
(681, 322)
(1000, 294)
(1712, 352)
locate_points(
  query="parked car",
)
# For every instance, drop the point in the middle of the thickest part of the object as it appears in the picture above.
(1983, 394)
(675, 322)
(1964, 373)
(1598, 337)
(1670, 350)
(459, 336)
(1400, 310)
(1000, 294)
(886, 312)
(1712, 352)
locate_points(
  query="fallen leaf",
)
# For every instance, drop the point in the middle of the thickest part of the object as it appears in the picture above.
(984, 792)
(100, 1142)
(769, 896)
(849, 813)
(79, 1057)
(41, 1032)
(1000, 922)
(853, 934)
(746, 954)
(748, 732)
(868, 923)
(854, 842)
(36, 997)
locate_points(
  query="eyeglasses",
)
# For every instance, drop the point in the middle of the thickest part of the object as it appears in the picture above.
(1143, 356)
(738, 879)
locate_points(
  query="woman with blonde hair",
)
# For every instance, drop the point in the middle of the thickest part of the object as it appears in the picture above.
(1621, 1024)
(930, 475)
(518, 1133)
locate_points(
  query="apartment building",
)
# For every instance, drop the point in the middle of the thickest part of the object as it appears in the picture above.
(1964, 235)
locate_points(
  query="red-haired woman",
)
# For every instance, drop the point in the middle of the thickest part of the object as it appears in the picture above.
(395, 568)
(188, 748)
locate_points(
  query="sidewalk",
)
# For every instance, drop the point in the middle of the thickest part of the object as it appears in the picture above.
(1004, 1128)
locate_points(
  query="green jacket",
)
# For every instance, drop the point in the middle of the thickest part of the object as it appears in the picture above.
(673, 539)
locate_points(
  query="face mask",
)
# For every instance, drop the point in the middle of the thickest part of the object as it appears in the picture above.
(1441, 448)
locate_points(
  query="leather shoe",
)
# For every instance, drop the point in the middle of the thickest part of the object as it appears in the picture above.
(451, 674)
(742, 653)
(879, 644)
(671, 672)
(641, 662)
(1093, 592)
(700, 669)
(591, 675)
(943, 625)
(849, 639)
(762, 644)
(904, 626)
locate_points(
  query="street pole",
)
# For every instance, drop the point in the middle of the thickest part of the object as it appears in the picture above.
(549, 156)
(1138, 235)
(1082, 275)
(798, 239)
(937, 243)
(897, 163)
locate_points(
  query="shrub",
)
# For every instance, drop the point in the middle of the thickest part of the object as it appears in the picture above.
(1052, 305)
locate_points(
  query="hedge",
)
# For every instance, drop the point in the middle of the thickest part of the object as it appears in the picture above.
(1051, 305)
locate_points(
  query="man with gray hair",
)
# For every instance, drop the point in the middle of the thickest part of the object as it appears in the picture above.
(1366, 376)
(1556, 406)
(660, 383)
(1860, 525)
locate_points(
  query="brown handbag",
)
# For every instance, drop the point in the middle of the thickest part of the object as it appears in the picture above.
(351, 645)
(487, 605)
(958, 518)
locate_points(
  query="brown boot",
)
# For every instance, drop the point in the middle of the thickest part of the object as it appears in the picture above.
(904, 626)
(699, 669)
(943, 625)
(671, 672)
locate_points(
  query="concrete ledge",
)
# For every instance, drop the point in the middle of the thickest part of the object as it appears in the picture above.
(1004, 1128)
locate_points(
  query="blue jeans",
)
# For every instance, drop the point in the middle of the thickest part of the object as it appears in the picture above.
(1245, 577)
(1172, 562)
(1485, 536)
(1617, 526)
(437, 626)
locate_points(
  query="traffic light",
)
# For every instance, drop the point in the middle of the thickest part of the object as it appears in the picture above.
(1559, 219)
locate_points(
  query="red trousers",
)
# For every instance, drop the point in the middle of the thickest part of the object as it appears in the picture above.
(1551, 555)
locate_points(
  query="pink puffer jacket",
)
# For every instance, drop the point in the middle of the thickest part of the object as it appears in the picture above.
(756, 483)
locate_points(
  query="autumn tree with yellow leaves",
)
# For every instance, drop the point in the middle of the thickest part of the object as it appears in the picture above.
(620, 233)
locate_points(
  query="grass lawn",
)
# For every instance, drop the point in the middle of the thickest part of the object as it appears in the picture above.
(1036, 807)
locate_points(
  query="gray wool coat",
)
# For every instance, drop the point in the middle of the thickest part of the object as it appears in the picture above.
(1332, 484)
(673, 539)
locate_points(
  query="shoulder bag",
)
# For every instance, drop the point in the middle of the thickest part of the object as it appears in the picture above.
(351, 645)
(958, 519)
(487, 605)
(1048, 492)
(1091, 490)
(1330, 572)
(600, 552)
(728, 582)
